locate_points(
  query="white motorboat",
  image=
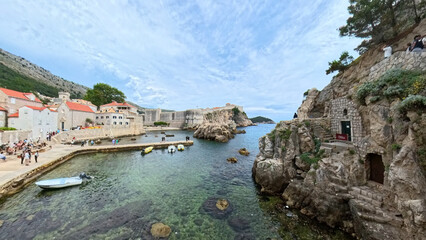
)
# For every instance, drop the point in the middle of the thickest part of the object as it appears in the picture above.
(62, 182)
(180, 147)
(171, 149)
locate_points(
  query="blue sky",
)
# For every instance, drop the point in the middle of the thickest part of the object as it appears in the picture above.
(181, 54)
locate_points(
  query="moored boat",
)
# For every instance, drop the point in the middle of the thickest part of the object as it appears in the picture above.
(62, 182)
(147, 150)
(171, 149)
(180, 147)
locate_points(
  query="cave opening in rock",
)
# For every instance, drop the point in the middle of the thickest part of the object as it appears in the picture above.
(375, 168)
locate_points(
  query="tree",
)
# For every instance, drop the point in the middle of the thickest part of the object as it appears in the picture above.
(340, 65)
(103, 93)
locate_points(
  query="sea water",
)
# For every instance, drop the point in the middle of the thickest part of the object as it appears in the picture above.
(130, 192)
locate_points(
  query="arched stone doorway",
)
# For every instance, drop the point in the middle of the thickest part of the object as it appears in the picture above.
(375, 168)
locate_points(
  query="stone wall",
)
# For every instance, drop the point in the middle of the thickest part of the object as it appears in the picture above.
(14, 136)
(403, 60)
(342, 109)
(97, 133)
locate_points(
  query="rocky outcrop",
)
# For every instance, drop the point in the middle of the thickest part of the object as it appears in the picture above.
(221, 125)
(373, 185)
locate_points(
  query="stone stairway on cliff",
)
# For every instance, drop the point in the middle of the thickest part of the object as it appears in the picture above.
(320, 132)
(368, 201)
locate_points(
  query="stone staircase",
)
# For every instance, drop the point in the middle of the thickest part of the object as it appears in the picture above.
(320, 132)
(369, 205)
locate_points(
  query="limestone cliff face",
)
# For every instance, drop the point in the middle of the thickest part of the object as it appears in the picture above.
(221, 125)
(373, 185)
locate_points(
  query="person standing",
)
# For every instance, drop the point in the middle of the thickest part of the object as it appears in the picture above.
(417, 45)
(36, 156)
(388, 51)
(27, 158)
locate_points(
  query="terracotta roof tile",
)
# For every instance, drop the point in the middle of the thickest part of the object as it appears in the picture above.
(36, 108)
(2, 109)
(16, 94)
(79, 107)
(114, 103)
(14, 115)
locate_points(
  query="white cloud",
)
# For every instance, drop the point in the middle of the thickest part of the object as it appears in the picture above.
(179, 54)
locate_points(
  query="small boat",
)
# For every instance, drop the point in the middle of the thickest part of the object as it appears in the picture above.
(171, 149)
(147, 150)
(180, 147)
(62, 182)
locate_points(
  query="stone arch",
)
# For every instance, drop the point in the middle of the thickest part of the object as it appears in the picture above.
(375, 169)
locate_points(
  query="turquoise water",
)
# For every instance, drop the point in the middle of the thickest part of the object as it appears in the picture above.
(130, 192)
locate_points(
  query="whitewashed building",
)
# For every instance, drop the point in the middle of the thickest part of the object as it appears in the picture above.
(13, 100)
(38, 120)
(110, 117)
(72, 115)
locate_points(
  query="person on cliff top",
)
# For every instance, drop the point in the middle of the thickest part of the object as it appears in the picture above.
(417, 45)
(295, 115)
(388, 51)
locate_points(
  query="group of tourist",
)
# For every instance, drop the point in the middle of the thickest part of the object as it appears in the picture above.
(26, 156)
(24, 148)
(417, 46)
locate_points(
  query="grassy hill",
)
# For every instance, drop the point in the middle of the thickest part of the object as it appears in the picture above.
(14, 80)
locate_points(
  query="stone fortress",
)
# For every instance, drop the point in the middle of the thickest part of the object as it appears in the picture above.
(182, 119)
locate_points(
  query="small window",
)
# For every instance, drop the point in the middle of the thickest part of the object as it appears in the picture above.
(102, 117)
(107, 117)
(127, 123)
(345, 112)
(120, 117)
(12, 100)
(114, 117)
(121, 123)
(115, 123)
(97, 117)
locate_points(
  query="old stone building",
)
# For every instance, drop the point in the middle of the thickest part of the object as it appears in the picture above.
(345, 120)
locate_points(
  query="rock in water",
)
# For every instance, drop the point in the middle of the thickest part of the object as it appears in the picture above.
(243, 151)
(222, 204)
(160, 230)
(232, 160)
(210, 207)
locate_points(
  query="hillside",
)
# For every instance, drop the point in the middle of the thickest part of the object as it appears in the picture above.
(31, 77)
(260, 119)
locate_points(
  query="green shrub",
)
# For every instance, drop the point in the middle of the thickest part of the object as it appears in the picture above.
(307, 123)
(351, 151)
(7, 129)
(396, 147)
(285, 134)
(411, 103)
(271, 135)
(375, 99)
(395, 83)
(235, 110)
(160, 124)
(306, 93)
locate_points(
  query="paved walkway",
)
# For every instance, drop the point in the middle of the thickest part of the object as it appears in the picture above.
(12, 167)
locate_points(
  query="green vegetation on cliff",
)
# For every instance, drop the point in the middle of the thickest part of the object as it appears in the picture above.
(260, 119)
(406, 85)
(14, 80)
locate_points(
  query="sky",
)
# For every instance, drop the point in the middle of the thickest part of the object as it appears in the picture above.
(260, 54)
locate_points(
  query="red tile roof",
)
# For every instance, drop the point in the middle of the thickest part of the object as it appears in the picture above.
(36, 108)
(79, 107)
(114, 103)
(16, 94)
(14, 115)
(2, 109)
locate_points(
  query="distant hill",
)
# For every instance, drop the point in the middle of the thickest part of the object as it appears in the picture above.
(260, 119)
(18, 74)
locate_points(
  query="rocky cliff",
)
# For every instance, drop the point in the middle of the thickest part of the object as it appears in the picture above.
(221, 125)
(31, 70)
(372, 182)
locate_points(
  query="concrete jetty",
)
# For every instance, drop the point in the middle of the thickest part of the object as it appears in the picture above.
(14, 176)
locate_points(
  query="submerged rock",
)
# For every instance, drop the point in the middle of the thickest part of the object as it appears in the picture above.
(239, 224)
(160, 230)
(222, 204)
(244, 151)
(209, 206)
